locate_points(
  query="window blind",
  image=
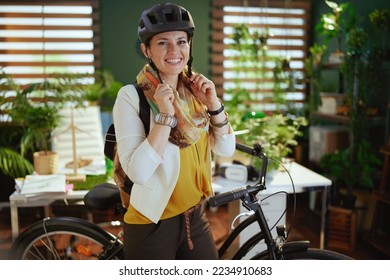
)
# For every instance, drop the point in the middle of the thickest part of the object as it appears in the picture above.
(284, 25)
(38, 38)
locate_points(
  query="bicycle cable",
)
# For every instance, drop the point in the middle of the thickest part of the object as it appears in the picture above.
(285, 210)
(294, 197)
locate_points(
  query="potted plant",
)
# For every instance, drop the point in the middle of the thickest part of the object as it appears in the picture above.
(37, 119)
(277, 133)
(348, 176)
(102, 92)
(334, 25)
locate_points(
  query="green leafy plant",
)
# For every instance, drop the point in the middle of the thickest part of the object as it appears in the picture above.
(277, 133)
(313, 64)
(335, 24)
(103, 90)
(38, 119)
(380, 20)
(338, 165)
(14, 164)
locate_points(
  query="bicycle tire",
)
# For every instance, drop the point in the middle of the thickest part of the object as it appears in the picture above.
(309, 254)
(70, 239)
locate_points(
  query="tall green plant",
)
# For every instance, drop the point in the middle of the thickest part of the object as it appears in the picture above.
(38, 119)
(14, 164)
(380, 20)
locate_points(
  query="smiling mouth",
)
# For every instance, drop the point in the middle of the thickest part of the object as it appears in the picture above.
(174, 61)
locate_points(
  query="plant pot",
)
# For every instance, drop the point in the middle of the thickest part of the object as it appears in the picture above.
(45, 162)
(341, 229)
(336, 57)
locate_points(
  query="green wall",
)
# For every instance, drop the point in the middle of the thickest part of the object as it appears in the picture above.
(120, 44)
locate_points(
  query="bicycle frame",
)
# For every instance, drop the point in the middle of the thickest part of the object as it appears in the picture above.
(249, 200)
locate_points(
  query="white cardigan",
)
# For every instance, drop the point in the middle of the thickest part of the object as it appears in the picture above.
(154, 177)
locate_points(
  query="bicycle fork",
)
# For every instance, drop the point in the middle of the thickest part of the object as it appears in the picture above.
(250, 202)
(275, 248)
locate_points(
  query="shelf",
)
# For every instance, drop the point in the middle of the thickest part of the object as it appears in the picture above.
(329, 117)
(383, 196)
(332, 66)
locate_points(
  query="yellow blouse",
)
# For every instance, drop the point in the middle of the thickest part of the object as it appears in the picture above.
(194, 183)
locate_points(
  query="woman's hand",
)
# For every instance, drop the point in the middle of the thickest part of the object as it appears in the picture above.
(204, 90)
(164, 98)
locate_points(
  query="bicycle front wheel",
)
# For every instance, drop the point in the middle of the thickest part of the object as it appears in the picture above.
(316, 254)
(66, 238)
(309, 254)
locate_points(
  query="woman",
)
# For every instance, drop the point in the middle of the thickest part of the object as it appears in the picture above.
(171, 166)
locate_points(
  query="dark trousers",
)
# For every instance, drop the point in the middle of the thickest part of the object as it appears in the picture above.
(167, 240)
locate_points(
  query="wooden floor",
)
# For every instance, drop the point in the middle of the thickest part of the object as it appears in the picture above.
(306, 226)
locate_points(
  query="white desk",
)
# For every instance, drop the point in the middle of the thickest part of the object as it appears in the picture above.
(304, 180)
(18, 200)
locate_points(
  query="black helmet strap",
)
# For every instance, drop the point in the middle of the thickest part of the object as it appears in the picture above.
(151, 63)
(189, 63)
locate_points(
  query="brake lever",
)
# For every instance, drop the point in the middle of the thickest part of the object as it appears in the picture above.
(247, 213)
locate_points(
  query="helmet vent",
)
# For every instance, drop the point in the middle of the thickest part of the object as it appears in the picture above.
(152, 19)
(184, 16)
(170, 17)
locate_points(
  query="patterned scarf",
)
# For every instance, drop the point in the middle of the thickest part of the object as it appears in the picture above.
(191, 114)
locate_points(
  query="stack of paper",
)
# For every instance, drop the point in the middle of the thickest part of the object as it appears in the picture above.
(34, 184)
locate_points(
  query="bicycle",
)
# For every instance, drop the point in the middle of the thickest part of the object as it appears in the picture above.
(73, 238)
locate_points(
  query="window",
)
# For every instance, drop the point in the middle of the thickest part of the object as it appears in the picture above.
(284, 25)
(38, 38)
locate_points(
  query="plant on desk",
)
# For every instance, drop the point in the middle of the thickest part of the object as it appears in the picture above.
(37, 120)
(277, 133)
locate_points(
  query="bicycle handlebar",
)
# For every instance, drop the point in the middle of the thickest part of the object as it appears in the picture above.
(245, 149)
(227, 197)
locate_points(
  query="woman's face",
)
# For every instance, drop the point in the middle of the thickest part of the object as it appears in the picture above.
(169, 51)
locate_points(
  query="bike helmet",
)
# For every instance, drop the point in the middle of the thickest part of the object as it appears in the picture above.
(163, 18)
